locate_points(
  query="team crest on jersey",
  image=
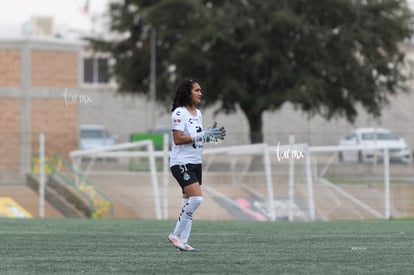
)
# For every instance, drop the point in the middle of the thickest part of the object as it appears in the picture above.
(186, 176)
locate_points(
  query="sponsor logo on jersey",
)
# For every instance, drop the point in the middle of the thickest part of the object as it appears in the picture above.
(191, 120)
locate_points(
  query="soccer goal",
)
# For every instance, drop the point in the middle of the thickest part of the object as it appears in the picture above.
(127, 168)
(298, 182)
(240, 179)
(259, 182)
(350, 190)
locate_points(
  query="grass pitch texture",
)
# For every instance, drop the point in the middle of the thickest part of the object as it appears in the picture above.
(83, 246)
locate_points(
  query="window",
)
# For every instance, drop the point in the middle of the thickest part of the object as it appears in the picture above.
(379, 136)
(95, 70)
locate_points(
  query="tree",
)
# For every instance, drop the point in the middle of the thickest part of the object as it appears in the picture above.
(323, 56)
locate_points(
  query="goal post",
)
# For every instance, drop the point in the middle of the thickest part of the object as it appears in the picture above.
(291, 182)
(131, 150)
(315, 150)
(240, 159)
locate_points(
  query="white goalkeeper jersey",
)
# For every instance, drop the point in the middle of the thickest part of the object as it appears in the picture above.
(183, 120)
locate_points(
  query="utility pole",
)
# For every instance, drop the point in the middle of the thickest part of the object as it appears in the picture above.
(153, 78)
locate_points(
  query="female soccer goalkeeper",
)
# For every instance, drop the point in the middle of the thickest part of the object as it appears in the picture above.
(185, 158)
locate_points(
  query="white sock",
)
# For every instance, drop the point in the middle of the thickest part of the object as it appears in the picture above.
(183, 203)
(185, 235)
(186, 232)
(184, 223)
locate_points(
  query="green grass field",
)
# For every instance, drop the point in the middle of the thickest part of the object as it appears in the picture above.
(83, 246)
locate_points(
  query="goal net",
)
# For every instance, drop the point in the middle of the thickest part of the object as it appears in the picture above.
(252, 182)
(131, 174)
(301, 182)
(258, 182)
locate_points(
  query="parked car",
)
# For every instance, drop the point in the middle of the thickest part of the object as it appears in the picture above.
(398, 148)
(94, 136)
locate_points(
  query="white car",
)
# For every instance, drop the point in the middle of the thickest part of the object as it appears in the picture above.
(95, 136)
(370, 137)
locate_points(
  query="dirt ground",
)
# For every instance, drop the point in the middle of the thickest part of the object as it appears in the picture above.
(224, 199)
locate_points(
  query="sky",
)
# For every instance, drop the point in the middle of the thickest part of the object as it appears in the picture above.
(68, 15)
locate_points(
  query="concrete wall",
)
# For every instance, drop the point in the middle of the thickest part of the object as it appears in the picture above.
(124, 115)
(317, 131)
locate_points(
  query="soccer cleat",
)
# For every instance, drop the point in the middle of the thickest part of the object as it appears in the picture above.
(176, 242)
(188, 248)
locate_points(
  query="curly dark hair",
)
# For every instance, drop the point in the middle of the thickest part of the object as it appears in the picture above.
(183, 94)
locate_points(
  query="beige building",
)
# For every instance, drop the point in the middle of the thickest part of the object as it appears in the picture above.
(35, 74)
